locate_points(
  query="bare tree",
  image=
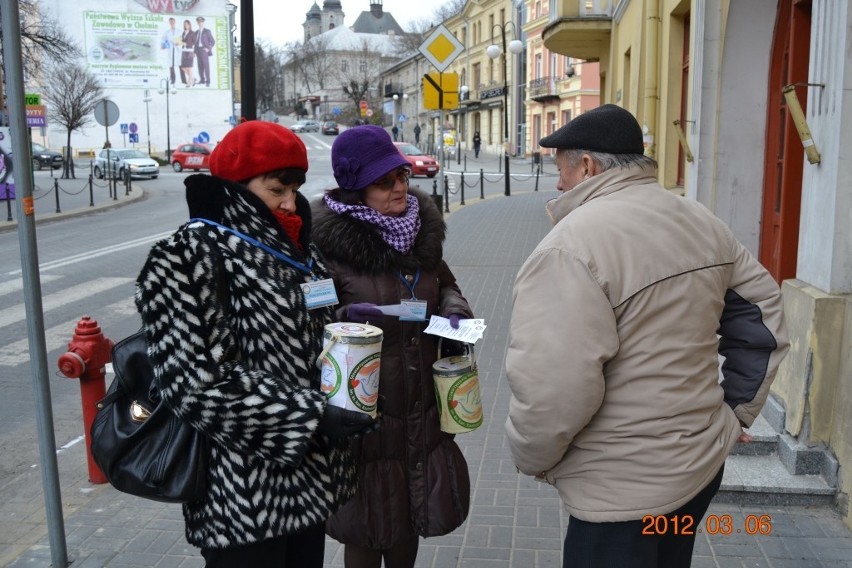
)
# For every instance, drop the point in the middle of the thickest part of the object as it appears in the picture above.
(42, 40)
(73, 93)
(358, 74)
(317, 63)
(269, 66)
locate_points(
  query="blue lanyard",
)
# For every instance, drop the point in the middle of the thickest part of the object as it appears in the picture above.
(307, 269)
(413, 285)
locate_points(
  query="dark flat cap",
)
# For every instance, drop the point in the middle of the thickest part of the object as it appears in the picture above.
(609, 129)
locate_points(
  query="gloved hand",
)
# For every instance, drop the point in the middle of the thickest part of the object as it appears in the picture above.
(338, 423)
(454, 320)
(362, 312)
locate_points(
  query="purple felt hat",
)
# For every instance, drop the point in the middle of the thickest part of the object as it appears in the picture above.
(363, 154)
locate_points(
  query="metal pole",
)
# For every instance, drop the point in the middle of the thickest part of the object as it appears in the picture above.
(168, 122)
(56, 189)
(147, 99)
(14, 75)
(506, 191)
(248, 85)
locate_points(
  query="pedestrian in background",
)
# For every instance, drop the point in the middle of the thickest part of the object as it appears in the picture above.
(234, 351)
(417, 134)
(384, 243)
(619, 317)
(477, 143)
(395, 132)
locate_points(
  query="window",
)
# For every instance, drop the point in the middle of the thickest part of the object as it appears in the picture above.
(362, 67)
(344, 66)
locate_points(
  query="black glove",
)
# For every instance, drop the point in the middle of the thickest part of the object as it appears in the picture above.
(338, 423)
(363, 312)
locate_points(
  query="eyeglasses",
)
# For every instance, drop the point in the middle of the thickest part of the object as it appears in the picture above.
(389, 181)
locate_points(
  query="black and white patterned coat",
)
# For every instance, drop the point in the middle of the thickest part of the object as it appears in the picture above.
(244, 373)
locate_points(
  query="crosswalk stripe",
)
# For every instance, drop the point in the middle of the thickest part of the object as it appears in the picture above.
(59, 335)
(97, 252)
(76, 293)
(18, 284)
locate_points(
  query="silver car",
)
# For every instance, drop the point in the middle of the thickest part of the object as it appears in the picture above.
(122, 160)
(305, 126)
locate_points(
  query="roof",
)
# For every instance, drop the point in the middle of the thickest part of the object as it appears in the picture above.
(377, 21)
(344, 39)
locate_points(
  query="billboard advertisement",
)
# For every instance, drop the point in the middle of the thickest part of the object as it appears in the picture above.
(127, 50)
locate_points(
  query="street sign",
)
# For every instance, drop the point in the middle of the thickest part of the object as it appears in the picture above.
(362, 105)
(123, 127)
(232, 120)
(133, 127)
(134, 137)
(441, 91)
(203, 137)
(401, 118)
(441, 48)
(36, 115)
(106, 113)
(336, 111)
(32, 99)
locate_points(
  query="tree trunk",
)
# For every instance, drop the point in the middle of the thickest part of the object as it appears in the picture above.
(68, 163)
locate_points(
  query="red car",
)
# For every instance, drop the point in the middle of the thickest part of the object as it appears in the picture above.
(421, 164)
(191, 157)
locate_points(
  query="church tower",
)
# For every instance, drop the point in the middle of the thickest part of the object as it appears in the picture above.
(332, 15)
(313, 22)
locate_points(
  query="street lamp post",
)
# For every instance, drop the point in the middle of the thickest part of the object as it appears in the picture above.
(146, 98)
(493, 51)
(395, 115)
(164, 88)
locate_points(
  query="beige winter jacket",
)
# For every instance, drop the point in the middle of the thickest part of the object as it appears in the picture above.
(620, 315)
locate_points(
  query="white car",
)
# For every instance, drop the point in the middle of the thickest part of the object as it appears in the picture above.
(305, 126)
(137, 162)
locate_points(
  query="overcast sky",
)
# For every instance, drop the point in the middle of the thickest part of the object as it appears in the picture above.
(280, 21)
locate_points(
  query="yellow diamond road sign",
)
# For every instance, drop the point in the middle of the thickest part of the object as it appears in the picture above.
(441, 48)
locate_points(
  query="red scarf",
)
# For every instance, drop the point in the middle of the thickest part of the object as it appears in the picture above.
(292, 225)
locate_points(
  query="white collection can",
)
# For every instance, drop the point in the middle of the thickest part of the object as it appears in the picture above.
(350, 363)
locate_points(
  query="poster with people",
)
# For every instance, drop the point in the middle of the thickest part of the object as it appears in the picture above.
(133, 50)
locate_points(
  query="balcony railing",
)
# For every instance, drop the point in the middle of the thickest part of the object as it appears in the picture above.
(392, 89)
(585, 9)
(542, 88)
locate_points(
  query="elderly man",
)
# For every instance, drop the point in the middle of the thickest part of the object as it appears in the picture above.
(619, 317)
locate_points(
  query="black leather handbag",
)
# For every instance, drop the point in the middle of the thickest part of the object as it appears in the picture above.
(141, 446)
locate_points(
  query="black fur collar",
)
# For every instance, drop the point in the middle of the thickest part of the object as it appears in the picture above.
(206, 195)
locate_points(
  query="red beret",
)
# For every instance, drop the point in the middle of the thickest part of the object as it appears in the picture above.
(256, 147)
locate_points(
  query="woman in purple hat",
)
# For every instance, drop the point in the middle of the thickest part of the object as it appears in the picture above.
(384, 244)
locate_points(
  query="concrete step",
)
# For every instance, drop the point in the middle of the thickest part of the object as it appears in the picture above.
(764, 443)
(763, 480)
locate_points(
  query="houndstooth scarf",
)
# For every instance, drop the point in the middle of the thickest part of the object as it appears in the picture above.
(398, 232)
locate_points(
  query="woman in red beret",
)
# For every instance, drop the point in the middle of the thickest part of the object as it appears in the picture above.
(234, 341)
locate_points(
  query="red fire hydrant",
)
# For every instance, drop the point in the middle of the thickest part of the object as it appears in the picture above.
(88, 353)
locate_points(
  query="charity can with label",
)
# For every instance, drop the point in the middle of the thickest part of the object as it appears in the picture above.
(350, 363)
(457, 389)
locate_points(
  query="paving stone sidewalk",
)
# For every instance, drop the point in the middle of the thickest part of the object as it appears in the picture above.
(514, 521)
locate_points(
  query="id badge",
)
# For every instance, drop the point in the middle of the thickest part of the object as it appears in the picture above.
(320, 293)
(416, 309)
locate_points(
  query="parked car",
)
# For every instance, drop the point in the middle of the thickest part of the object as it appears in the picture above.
(305, 126)
(330, 127)
(191, 157)
(137, 162)
(44, 158)
(421, 163)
